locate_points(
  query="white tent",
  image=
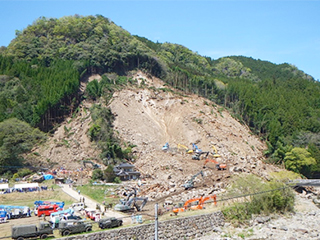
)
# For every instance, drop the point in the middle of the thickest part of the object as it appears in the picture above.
(4, 186)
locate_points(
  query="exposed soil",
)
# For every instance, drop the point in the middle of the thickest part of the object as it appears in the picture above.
(148, 117)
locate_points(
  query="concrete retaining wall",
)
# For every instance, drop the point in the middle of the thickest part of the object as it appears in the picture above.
(181, 228)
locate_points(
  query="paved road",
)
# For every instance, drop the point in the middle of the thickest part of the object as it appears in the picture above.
(93, 204)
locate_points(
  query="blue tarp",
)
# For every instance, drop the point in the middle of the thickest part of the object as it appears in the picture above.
(48, 177)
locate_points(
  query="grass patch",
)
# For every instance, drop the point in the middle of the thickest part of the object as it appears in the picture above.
(28, 199)
(100, 193)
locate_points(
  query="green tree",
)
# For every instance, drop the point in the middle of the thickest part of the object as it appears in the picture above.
(299, 160)
(108, 174)
(97, 174)
(16, 138)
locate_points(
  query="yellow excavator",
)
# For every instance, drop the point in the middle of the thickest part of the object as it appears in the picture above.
(188, 151)
(215, 154)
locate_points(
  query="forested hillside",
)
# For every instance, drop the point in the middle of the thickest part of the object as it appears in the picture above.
(41, 70)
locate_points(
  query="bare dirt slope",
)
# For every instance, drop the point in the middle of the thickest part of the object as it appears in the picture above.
(150, 116)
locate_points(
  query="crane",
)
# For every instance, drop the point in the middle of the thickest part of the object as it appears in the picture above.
(190, 183)
(219, 166)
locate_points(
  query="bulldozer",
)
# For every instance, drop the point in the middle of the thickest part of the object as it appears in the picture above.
(219, 166)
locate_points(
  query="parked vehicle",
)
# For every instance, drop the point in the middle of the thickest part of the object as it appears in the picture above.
(31, 231)
(40, 203)
(46, 210)
(78, 206)
(109, 222)
(3, 216)
(67, 214)
(74, 226)
(91, 213)
(16, 211)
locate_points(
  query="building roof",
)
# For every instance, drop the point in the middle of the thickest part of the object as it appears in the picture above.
(125, 165)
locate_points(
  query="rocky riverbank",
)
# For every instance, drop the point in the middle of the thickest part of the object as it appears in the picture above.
(303, 224)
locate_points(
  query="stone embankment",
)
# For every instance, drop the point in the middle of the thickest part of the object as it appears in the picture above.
(181, 228)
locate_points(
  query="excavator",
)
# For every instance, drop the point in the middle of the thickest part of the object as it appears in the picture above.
(219, 166)
(197, 156)
(203, 200)
(130, 202)
(215, 154)
(94, 165)
(188, 151)
(200, 204)
(190, 183)
(186, 205)
(195, 148)
(165, 147)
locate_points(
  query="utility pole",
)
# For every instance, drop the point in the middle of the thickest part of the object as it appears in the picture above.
(156, 221)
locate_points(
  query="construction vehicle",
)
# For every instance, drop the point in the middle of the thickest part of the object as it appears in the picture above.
(165, 147)
(219, 166)
(190, 183)
(94, 165)
(186, 205)
(125, 205)
(203, 200)
(195, 148)
(197, 156)
(215, 154)
(199, 204)
(131, 202)
(188, 151)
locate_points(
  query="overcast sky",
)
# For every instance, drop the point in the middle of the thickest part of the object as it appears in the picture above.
(275, 31)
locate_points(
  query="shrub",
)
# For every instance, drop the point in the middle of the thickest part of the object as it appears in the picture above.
(117, 180)
(97, 174)
(257, 197)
